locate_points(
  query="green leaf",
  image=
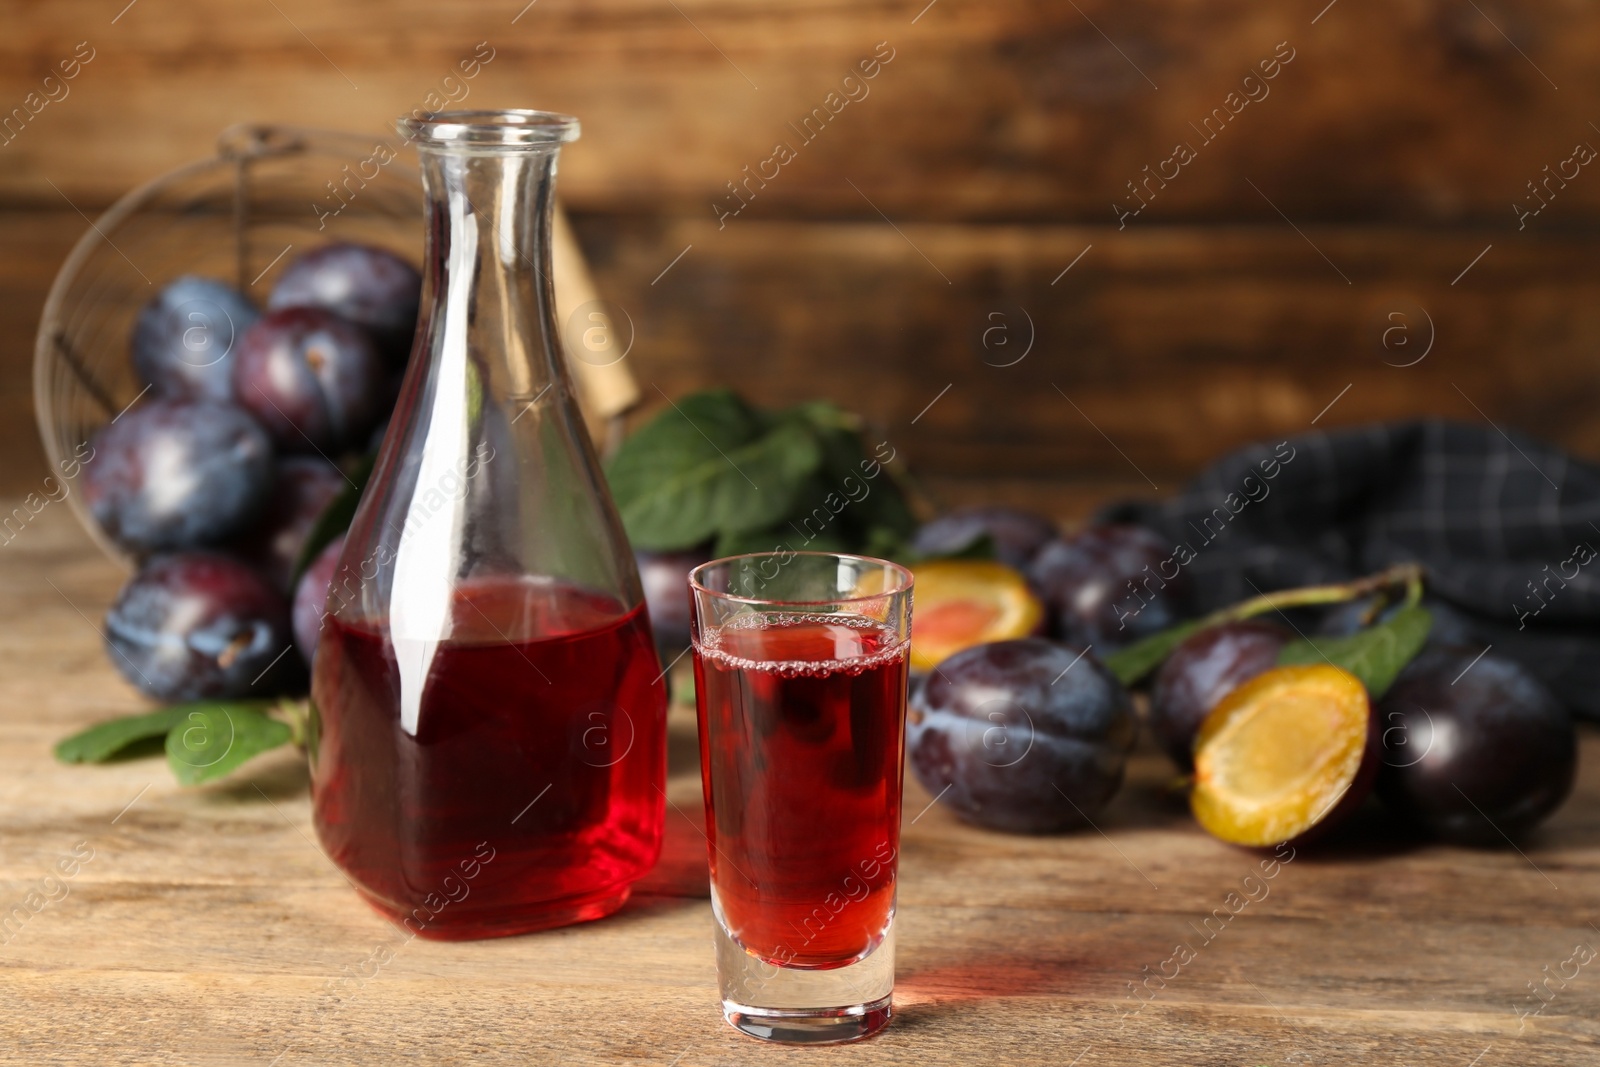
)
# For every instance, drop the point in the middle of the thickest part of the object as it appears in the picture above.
(887, 544)
(105, 740)
(708, 466)
(1376, 656)
(213, 739)
(888, 509)
(715, 469)
(335, 518)
(1140, 658)
(656, 470)
(680, 435)
(876, 502)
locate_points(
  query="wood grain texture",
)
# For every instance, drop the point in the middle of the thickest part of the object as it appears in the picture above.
(1160, 348)
(32, 248)
(208, 928)
(1422, 111)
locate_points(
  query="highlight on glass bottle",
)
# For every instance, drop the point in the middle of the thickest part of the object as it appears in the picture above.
(488, 738)
(801, 662)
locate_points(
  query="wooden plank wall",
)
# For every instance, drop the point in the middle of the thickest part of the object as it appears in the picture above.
(1282, 224)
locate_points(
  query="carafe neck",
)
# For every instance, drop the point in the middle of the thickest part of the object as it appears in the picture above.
(487, 269)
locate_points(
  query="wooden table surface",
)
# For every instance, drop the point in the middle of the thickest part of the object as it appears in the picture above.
(207, 927)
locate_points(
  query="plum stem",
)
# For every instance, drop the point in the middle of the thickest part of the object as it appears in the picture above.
(1408, 574)
(1140, 658)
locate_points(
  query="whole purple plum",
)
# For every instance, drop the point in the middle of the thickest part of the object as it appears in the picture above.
(371, 287)
(1110, 585)
(314, 380)
(183, 337)
(1017, 535)
(172, 474)
(1028, 736)
(1475, 748)
(197, 625)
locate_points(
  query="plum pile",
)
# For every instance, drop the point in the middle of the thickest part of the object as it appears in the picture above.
(215, 480)
(1104, 587)
(1282, 736)
(1462, 744)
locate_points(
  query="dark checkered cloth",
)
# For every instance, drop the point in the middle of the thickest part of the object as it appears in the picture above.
(1502, 523)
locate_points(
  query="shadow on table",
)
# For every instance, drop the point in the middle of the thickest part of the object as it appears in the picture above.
(683, 870)
(682, 877)
(283, 775)
(986, 975)
(931, 999)
(1374, 832)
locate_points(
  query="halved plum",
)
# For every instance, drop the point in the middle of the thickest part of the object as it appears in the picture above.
(961, 603)
(1287, 754)
(1201, 671)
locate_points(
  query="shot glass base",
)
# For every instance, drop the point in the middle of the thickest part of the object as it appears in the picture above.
(833, 1026)
(804, 1006)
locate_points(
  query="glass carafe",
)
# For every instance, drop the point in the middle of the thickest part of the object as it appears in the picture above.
(487, 738)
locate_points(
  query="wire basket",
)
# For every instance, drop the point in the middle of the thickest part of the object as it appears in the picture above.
(270, 194)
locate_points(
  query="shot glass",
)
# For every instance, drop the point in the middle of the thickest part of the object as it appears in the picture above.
(800, 662)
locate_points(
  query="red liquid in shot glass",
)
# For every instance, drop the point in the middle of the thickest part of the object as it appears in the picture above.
(801, 750)
(530, 794)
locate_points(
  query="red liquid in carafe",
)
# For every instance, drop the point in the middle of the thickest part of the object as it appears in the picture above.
(801, 742)
(530, 794)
